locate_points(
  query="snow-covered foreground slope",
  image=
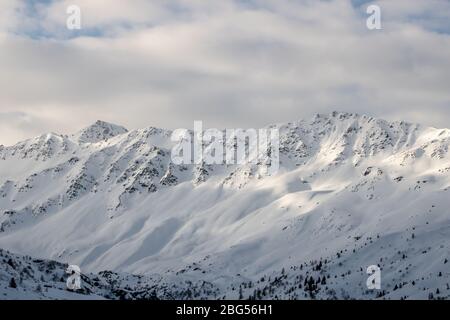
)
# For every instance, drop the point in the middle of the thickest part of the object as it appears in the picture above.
(352, 191)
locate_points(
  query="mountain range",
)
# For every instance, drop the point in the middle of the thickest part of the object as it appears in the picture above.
(352, 191)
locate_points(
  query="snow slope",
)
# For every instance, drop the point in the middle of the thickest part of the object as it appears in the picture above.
(352, 191)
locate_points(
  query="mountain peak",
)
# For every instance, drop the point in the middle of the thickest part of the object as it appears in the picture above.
(99, 131)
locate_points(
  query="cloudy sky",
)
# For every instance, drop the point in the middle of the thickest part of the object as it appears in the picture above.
(230, 63)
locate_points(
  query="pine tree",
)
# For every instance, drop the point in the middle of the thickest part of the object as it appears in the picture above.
(12, 283)
(319, 266)
(11, 263)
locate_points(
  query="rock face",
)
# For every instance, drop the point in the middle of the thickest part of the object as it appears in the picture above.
(352, 191)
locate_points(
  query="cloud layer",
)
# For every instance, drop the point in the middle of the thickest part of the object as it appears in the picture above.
(229, 63)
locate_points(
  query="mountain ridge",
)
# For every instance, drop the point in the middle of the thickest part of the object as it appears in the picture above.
(333, 114)
(119, 204)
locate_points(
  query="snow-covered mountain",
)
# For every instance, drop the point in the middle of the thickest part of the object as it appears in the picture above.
(352, 191)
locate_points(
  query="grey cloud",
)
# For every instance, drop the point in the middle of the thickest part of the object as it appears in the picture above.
(231, 65)
(16, 126)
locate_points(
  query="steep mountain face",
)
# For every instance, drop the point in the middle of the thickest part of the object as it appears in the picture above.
(352, 191)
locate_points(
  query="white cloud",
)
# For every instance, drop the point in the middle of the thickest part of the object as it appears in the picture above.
(227, 63)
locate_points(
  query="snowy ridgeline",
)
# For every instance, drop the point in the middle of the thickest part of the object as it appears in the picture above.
(352, 191)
